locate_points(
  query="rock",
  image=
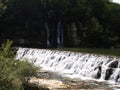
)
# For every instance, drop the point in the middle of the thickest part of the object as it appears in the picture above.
(48, 83)
(113, 64)
(109, 72)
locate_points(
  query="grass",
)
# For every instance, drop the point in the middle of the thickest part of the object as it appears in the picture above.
(111, 52)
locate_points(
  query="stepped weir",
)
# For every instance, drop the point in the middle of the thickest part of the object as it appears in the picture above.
(75, 64)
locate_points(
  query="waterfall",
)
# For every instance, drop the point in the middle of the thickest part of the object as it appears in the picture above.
(59, 34)
(75, 64)
(48, 34)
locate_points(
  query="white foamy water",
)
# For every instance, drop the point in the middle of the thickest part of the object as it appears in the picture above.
(74, 64)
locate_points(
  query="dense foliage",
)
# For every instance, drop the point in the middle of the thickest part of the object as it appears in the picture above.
(13, 72)
(97, 22)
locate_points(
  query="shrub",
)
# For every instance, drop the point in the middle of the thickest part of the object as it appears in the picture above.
(13, 72)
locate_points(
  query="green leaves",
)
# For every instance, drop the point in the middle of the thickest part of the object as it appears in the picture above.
(7, 67)
(26, 18)
(3, 6)
(6, 49)
(13, 72)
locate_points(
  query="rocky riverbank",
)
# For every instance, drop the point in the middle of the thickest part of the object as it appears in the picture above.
(53, 81)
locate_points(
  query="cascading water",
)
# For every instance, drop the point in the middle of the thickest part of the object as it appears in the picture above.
(48, 35)
(59, 34)
(75, 64)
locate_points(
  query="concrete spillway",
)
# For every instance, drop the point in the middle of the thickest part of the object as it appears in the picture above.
(74, 64)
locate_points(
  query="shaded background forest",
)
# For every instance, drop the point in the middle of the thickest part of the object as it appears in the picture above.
(85, 23)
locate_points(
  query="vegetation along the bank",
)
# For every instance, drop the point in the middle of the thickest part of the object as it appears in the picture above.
(13, 73)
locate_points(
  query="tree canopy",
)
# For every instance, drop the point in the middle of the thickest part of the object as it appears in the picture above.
(96, 22)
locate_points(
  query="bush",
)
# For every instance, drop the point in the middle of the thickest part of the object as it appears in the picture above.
(13, 72)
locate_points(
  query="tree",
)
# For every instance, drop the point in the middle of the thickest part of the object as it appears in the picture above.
(29, 17)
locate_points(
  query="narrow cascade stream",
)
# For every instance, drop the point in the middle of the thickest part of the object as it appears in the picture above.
(59, 34)
(48, 34)
(74, 64)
